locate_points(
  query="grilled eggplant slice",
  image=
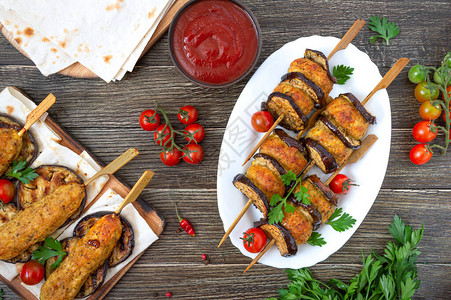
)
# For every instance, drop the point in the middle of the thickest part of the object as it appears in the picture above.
(323, 159)
(92, 283)
(10, 143)
(288, 152)
(269, 162)
(125, 245)
(252, 192)
(285, 242)
(50, 178)
(28, 149)
(321, 59)
(298, 80)
(278, 104)
(300, 97)
(362, 110)
(314, 213)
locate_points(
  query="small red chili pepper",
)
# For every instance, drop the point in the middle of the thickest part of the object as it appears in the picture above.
(168, 294)
(184, 223)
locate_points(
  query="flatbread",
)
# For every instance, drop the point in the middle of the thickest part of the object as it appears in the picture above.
(101, 34)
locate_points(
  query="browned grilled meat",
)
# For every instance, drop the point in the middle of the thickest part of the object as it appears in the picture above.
(8, 212)
(299, 223)
(10, 143)
(90, 252)
(289, 152)
(39, 220)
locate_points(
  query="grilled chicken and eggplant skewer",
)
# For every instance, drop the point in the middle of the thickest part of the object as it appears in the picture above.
(15, 141)
(90, 252)
(57, 196)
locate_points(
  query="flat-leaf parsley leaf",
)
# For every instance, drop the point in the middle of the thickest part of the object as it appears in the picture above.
(387, 30)
(342, 73)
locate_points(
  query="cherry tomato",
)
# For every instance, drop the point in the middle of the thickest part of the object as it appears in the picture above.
(444, 114)
(422, 133)
(419, 154)
(254, 239)
(417, 74)
(171, 158)
(196, 154)
(262, 121)
(187, 114)
(422, 93)
(429, 111)
(196, 130)
(149, 120)
(32, 272)
(161, 137)
(340, 184)
(7, 190)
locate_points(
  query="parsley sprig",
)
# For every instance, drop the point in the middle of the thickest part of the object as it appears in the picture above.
(385, 29)
(18, 170)
(277, 213)
(392, 275)
(51, 248)
(315, 239)
(342, 73)
(341, 221)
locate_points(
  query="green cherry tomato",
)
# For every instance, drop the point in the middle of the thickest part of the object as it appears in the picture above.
(417, 74)
(429, 111)
(423, 93)
(438, 79)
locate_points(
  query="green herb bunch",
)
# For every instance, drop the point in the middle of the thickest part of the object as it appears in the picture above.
(392, 275)
(342, 73)
(20, 171)
(385, 29)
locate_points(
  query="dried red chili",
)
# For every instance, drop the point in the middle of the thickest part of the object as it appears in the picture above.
(184, 223)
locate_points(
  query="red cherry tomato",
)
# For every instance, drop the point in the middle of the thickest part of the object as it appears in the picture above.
(171, 158)
(448, 90)
(422, 93)
(7, 190)
(161, 137)
(419, 154)
(32, 272)
(262, 121)
(254, 239)
(429, 111)
(340, 184)
(196, 130)
(196, 154)
(422, 133)
(149, 120)
(187, 114)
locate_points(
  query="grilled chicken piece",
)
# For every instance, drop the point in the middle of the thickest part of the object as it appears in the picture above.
(348, 114)
(267, 181)
(321, 197)
(313, 72)
(320, 59)
(289, 152)
(299, 223)
(10, 143)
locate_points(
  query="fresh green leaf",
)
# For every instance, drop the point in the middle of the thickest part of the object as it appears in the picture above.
(1, 294)
(275, 199)
(302, 195)
(51, 248)
(385, 29)
(289, 177)
(391, 276)
(18, 171)
(342, 73)
(315, 239)
(341, 221)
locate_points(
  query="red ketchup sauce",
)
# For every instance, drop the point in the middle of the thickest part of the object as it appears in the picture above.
(215, 41)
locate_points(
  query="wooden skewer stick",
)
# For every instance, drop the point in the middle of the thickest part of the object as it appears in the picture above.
(348, 37)
(114, 165)
(388, 78)
(354, 157)
(264, 138)
(136, 190)
(255, 260)
(38, 112)
(342, 44)
(248, 204)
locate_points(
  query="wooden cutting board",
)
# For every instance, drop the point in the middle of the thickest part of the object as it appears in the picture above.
(79, 71)
(155, 220)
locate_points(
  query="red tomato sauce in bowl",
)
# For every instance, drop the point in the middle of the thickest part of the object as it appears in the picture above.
(214, 42)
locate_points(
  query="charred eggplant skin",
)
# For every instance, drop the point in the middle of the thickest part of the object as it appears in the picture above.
(298, 110)
(314, 213)
(274, 162)
(291, 142)
(365, 114)
(316, 89)
(241, 178)
(330, 195)
(125, 245)
(338, 133)
(288, 238)
(326, 67)
(327, 158)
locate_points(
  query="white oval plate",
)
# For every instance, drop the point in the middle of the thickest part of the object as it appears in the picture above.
(240, 138)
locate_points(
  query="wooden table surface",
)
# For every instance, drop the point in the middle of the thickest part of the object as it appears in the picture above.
(104, 118)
